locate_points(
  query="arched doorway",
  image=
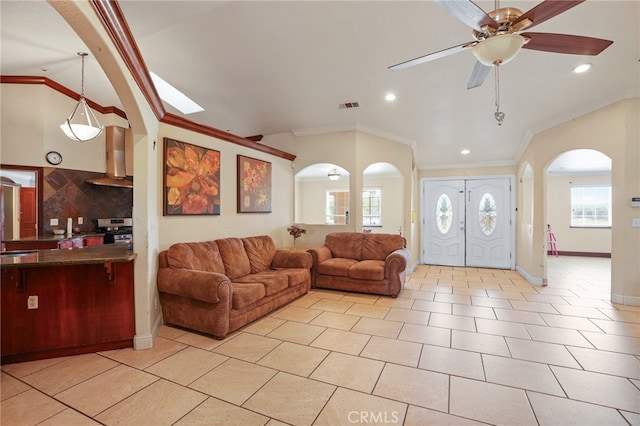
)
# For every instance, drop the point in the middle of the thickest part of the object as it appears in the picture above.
(579, 218)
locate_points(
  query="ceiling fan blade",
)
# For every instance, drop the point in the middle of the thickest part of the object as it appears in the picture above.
(478, 75)
(565, 43)
(432, 56)
(547, 10)
(468, 13)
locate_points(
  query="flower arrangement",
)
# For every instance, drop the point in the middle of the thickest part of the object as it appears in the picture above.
(296, 232)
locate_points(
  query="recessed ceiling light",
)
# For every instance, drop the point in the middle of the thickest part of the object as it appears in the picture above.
(174, 97)
(582, 68)
(465, 152)
(390, 97)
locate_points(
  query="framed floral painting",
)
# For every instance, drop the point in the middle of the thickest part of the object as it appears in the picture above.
(254, 185)
(191, 179)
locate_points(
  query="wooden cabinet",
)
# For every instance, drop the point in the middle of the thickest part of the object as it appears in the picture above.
(80, 308)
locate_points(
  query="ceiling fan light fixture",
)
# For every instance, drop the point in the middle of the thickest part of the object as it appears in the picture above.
(82, 125)
(334, 174)
(498, 49)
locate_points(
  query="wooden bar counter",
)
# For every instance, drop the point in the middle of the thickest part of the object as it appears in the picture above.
(66, 302)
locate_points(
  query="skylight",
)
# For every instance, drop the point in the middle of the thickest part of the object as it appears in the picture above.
(174, 97)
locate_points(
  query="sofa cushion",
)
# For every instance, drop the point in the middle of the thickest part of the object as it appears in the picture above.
(345, 244)
(235, 259)
(260, 251)
(368, 270)
(244, 294)
(379, 246)
(296, 276)
(273, 281)
(201, 256)
(336, 266)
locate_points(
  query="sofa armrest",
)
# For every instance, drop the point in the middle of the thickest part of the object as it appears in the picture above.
(396, 262)
(291, 259)
(200, 285)
(320, 254)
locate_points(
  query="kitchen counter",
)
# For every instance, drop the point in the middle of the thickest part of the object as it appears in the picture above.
(51, 241)
(53, 237)
(67, 301)
(107, 253)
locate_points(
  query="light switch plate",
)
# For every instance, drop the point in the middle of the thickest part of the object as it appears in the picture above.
(635, 222)
(53, 222)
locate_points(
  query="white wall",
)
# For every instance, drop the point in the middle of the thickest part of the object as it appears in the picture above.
(229, 223)
(31, 118)
(583, 240)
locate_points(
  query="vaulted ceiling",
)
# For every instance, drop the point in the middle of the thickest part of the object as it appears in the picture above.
(270, 67)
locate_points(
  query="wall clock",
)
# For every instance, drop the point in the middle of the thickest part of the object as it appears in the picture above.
(54, 157)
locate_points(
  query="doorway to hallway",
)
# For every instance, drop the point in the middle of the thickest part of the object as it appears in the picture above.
(468, 222)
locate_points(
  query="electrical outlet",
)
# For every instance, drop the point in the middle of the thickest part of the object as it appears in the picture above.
(80, 220)
(53, 222)
(32, 302)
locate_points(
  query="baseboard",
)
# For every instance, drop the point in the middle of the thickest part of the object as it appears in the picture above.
(579, 253)
(145, 341)
(625, 300)
(411, 269)
(530, 278)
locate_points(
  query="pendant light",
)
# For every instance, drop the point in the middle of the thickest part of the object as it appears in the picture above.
(334, 174)
(82, 125)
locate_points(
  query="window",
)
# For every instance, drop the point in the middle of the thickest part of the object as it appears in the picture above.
(591, 206)
(337, 207)
(371, 207)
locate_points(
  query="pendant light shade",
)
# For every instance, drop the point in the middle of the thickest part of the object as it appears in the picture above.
(498, 49)
(334, 174)
(82, 125)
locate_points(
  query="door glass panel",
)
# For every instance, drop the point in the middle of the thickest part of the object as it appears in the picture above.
(444, 213)
(487, 214)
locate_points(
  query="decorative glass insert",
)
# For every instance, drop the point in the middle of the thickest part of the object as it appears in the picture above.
(444, 213)
(487, 214)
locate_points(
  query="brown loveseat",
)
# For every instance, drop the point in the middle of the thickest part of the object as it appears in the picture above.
(366, 263)
(218, 286)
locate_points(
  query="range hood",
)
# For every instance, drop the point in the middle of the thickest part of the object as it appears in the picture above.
(119, 152)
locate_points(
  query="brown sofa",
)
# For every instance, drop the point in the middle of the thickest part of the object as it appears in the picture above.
(219, 286)
(366, 263)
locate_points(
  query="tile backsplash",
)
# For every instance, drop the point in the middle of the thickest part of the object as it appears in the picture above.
(67, 194)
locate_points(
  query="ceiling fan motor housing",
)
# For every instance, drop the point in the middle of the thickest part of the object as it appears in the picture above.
(504, 18)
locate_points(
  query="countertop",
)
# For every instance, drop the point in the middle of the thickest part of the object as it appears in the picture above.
(106, 253)
(53, 237)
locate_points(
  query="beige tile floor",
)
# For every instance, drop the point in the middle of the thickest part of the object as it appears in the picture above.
(460, 346)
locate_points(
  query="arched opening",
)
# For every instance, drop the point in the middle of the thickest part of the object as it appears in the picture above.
(382, 199)
(578, 213)
(321, 193)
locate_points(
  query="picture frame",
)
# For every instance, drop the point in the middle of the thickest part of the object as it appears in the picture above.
(254, 185)
(191, 179)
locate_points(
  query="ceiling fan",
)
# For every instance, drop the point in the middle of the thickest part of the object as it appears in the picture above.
(498, 36)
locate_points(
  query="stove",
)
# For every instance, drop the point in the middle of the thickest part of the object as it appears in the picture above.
(117, 230)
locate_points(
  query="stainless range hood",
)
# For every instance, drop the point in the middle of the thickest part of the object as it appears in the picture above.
(119, 152)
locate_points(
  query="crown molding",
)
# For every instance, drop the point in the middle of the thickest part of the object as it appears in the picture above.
(25, 79)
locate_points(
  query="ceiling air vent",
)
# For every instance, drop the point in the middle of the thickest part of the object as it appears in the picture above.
(349, 105)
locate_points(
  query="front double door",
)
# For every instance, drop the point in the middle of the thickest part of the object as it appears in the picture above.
(468, 222)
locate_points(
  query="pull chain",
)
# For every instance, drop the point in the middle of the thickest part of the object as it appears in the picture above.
(499, 115)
